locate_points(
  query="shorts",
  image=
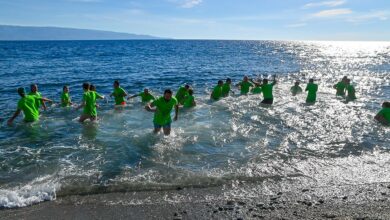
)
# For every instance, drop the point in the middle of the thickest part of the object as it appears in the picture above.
(123, 103)
(267, 101)
(157, 126)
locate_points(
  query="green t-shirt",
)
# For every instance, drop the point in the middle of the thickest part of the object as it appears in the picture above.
(385, 112)
(257, 90)
(28, 105)
(225, 89)
(37, 101)
(89, 98)
(351, 92)
(65, 99)
(162, 116)
(312, 89)
(119, 95)
(188, 102)
(217, 92)
(181, 94)
(267, 90)
(295, 90)
(244, 87)
(340, 88)
(146, 97)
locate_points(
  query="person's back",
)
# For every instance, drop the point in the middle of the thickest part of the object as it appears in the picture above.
(182, 93)
(90, 103)
(217, 91)
(257, 90)
(119, 96)
(340, 87)
(296, 89)
(312, 89)
(351, 92)
(146, 97)
(383, 115)
(28, 105)
(245, 87)
(226, 87)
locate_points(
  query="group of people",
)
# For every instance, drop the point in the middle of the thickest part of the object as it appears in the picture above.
(162, 107)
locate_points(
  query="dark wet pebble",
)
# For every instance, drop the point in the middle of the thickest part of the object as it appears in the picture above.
(345, 197)
(329, 216)
(241, 203)
(383, 193)
(305, 190)
(279, 193)
(220, 208)
(260, 204)
(321, 201)
(179, 188)
(230, 202)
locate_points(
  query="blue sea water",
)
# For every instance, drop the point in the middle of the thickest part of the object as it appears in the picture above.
(329, 143)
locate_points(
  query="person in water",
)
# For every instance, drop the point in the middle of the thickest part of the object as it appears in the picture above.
(257, 89)
(340, 87)
(65, 97)
(119, 94)
(27, 105)
(351, 92)
(92, 88)
(182, 93)
(267, 89)
(189, 102)
(226, 88)
(162, 108)
(312, 89)
(245, 85)
(88, 104)
(34, 92)
(217, 91)
(383, 115)
(296, 89)
(145, 96)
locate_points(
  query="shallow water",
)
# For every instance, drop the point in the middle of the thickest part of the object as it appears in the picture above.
(329, 143)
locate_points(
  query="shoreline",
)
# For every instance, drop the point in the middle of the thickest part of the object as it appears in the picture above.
(238, 201)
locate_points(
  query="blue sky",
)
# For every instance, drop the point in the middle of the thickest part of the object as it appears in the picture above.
(211, 19)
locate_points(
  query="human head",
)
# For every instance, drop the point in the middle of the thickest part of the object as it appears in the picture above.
(344, 79)
(21, 91)
(265, 81)
(187, 87)
(92, 87)
(311, 80)
(246, 78)
(65, 89)
(220, 82)
(190, 91)
(296, 83)
(347, 81)
(386, 105)
(167, 94)
(116, 84)
(146, 91)
(34, 88)
(228, 81)
(86, 86)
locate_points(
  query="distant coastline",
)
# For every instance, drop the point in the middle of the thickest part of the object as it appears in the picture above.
(32, 33)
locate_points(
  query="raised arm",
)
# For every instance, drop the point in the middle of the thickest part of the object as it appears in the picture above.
(16, 114)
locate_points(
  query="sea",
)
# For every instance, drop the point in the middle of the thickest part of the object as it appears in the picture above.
(330, 143)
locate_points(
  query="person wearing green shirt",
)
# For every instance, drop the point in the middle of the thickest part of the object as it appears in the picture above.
(217, 91)
(351, 92)
(65, 98)
(27, 105)
(226, 88)
(189, 102)
(88, 104)
(119, 94)
(34, 91)
(162, 108)
(267, 88)
(383, 115)
(92, 88)
(145, 96)
(182, 93)
(340, 87)
(312, 89)
(245, 86)
(296, 89)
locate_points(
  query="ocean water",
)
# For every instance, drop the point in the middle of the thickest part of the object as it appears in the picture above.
(216, 143)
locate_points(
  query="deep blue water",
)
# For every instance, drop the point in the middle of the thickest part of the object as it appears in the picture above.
(217, 142)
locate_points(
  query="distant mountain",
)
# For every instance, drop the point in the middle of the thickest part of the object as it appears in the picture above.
(8, 32)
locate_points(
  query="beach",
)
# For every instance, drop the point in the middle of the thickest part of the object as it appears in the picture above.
(369, 201)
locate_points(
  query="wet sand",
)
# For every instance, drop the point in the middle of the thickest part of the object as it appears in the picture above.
(371, 201)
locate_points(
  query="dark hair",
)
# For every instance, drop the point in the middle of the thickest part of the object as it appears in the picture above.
(386, 104)
(64, 87)
(187, 86)
(265, 80)
(167, 91)
(228, 80)
(116, 82)
(86, 86)
(92, 87)
(190, 91)
(33, 85)
(311, 80)
(220, 81)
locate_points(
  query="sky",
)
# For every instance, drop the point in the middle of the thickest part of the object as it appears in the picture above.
(211, 19)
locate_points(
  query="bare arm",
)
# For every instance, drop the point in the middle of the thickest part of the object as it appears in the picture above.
(381, 119)
(133, 96)
(150, 107)
(16, 114)
(176, 112)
